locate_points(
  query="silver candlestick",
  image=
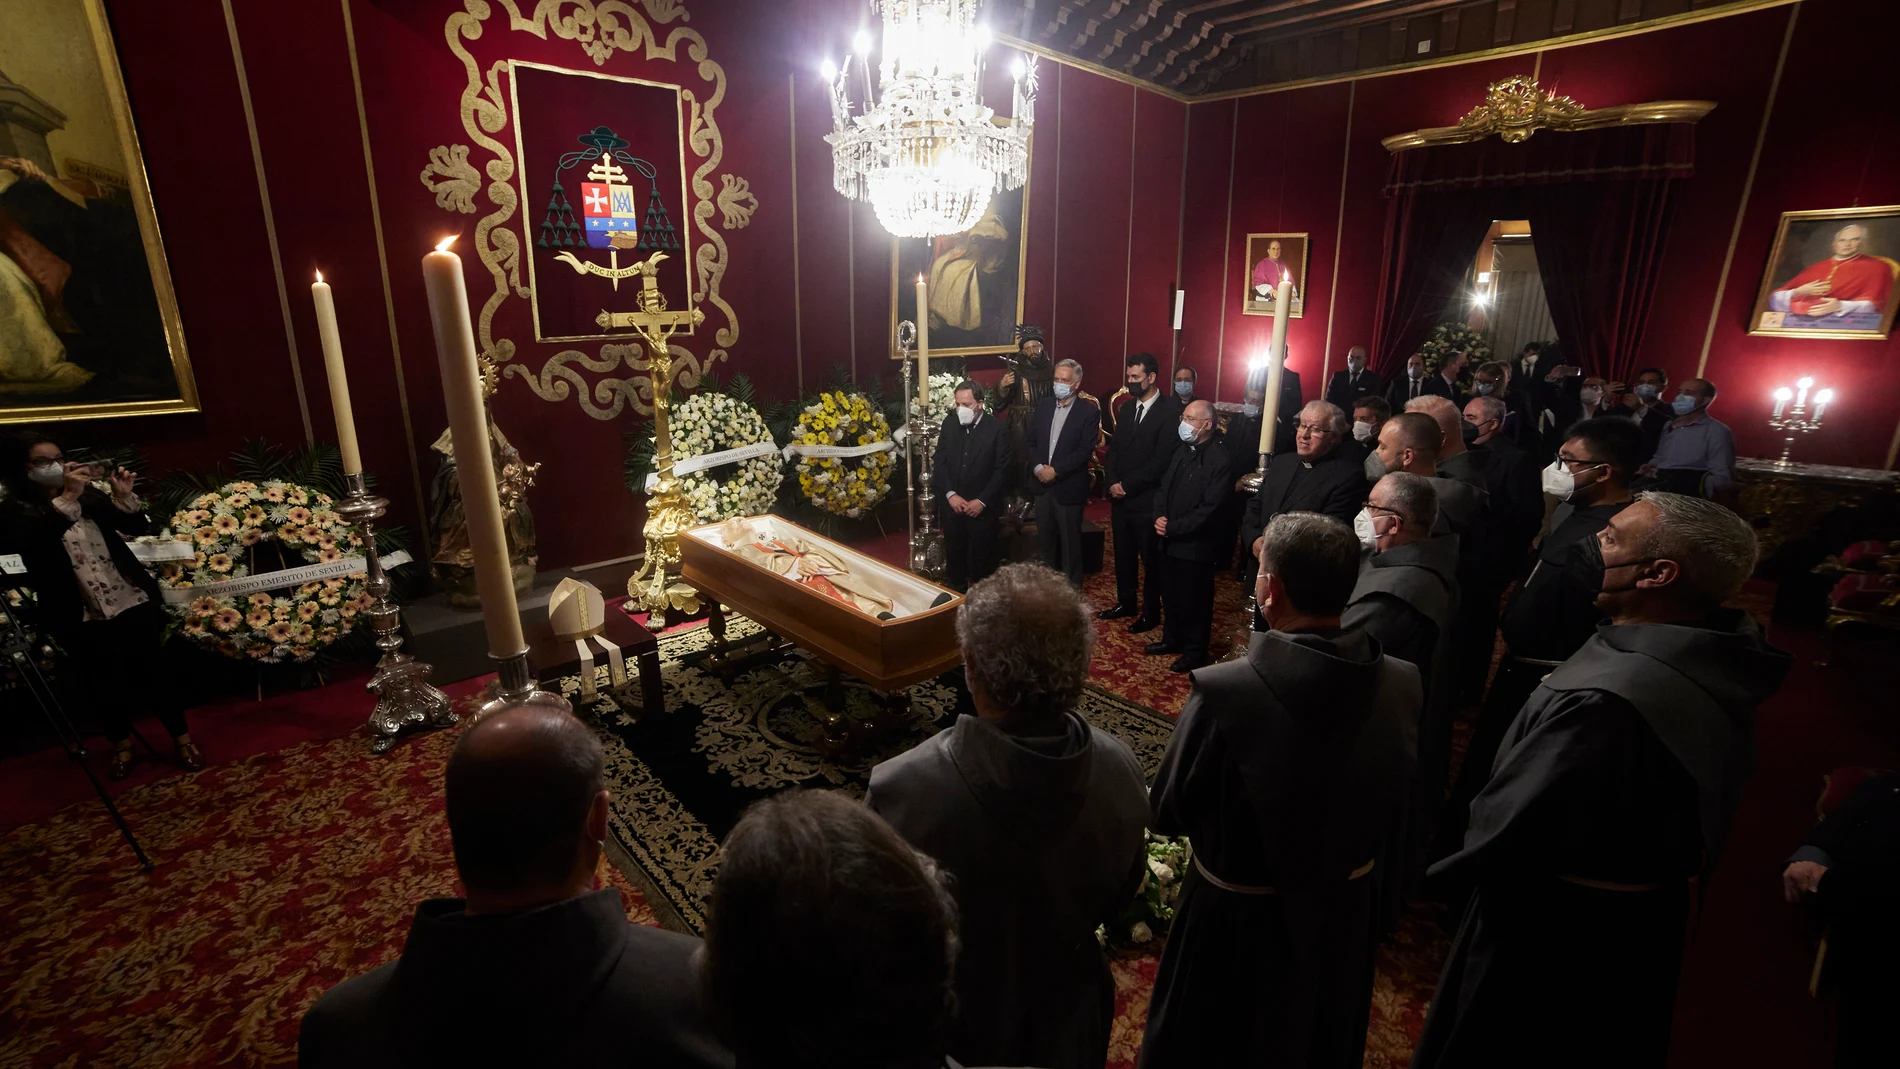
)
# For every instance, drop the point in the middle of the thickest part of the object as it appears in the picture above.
(906, 333)
(405, 699)
(1797, 420)
(927, 555)
(518, 687)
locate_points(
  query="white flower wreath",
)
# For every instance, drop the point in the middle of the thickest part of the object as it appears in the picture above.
(843, 485)
(708, 423)
(268, 626)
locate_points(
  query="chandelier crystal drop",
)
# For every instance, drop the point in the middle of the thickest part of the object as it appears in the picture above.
(925, 152)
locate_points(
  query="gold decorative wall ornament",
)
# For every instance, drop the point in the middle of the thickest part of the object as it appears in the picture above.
(737, 201)
(601, 28)
(1516, 108)
(452, 179)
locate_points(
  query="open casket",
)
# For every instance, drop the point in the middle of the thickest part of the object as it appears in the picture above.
(915, 640)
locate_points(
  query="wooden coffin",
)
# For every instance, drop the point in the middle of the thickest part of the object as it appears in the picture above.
(918, 643)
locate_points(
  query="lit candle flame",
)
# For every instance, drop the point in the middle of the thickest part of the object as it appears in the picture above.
(1824, 397)
(319, 274)
(443, 245)
(920, 279)
(1287, 277)
(1804, 382)
(1783, 394)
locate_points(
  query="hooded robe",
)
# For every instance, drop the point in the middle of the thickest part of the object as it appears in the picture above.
(1287, 770)
(1613, 790)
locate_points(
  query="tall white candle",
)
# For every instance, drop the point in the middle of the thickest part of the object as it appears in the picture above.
(1276, 365)
(333, 370)
(474, 467)
(923, 347)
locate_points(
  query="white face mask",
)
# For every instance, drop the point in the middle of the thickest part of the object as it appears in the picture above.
(1063, 390)
(1250, 411)
(966, 416)
(1590, 395)
(1560, 482)
(1183, 388)
(1186, 431)
(1361, 431)
(1355, 366)
(1375, 466)
(1413, 371)
(47, 474)
(1368, 533)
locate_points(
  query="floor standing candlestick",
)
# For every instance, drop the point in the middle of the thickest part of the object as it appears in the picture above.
(927, 556)
(905, 331)
(405, 700)
(475, 474)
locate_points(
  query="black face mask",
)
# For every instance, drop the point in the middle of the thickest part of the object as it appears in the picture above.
(1597, 553)
(1469, 431)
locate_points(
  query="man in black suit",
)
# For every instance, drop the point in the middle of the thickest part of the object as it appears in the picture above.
(1185, 509)
(1355, 382)
(1406, 386)
(1287, 420)
(1516, 497)
(1648, 409)
(534, 967)
(1446, 382)
(1492, 379)
(1316, 476)
(972, 470)
(1138, 457)
(1061, 438)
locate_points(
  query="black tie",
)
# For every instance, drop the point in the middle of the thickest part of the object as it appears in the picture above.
(1140, 413)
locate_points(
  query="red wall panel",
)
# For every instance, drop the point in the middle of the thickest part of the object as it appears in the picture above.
(1123, 183)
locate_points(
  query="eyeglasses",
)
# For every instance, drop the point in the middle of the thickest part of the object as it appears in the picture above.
(1370, 507)
(1316, 428)
(1585, 461)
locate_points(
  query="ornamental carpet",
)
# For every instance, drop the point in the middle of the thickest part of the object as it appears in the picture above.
(680, 782)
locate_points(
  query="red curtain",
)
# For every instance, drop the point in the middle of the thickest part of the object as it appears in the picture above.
(1598, 203)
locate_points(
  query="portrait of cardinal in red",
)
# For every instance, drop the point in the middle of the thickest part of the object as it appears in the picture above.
(1850, 281)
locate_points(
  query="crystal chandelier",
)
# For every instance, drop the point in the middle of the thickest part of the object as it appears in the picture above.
(925, 152)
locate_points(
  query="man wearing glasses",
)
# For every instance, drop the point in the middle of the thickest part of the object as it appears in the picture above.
(1319, 476)
(1554, 610)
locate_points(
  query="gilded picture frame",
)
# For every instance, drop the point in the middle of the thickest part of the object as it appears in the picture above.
(95, 336)
(958, 262)
(1293, 257)
(1832, 273)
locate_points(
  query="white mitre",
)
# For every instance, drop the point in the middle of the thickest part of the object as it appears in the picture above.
(577, 610)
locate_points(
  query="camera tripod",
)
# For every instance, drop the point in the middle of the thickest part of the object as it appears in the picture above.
(18, 647)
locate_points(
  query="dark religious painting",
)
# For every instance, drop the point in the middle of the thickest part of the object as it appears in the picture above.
(1831, 274)
(602, 164)
(974, 280)
(1271, 257)
(88, 323)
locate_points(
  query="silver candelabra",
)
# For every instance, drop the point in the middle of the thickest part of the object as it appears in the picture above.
(927, 557)
(1797, 420)
(405, 700)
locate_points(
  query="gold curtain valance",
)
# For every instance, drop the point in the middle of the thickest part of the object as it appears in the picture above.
(1516, 108)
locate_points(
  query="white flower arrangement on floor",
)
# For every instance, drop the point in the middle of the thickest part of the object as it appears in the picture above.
(708, 423)
(268, 626)
(843, 486)
(1151, 913)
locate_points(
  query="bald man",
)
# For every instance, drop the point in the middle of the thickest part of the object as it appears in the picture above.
(1186, 518)
(535, 966)
(1354, 382)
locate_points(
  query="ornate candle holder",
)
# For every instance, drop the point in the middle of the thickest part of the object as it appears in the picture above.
(1797, 420)
(927, 556)
(404, 698)
(905, 332)
(517, 687)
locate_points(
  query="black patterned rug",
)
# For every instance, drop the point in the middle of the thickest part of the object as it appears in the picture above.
(681, 780)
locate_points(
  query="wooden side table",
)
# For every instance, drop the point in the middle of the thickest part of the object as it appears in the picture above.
(554, 658)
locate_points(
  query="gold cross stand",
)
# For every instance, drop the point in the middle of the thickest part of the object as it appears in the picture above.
(656, 588)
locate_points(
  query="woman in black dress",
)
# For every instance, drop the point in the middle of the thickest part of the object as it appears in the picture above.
(94, 598)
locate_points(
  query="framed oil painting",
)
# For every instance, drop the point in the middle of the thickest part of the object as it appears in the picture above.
(87, 313)
(975, 280)
(1269, 258)
(1831, 274)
